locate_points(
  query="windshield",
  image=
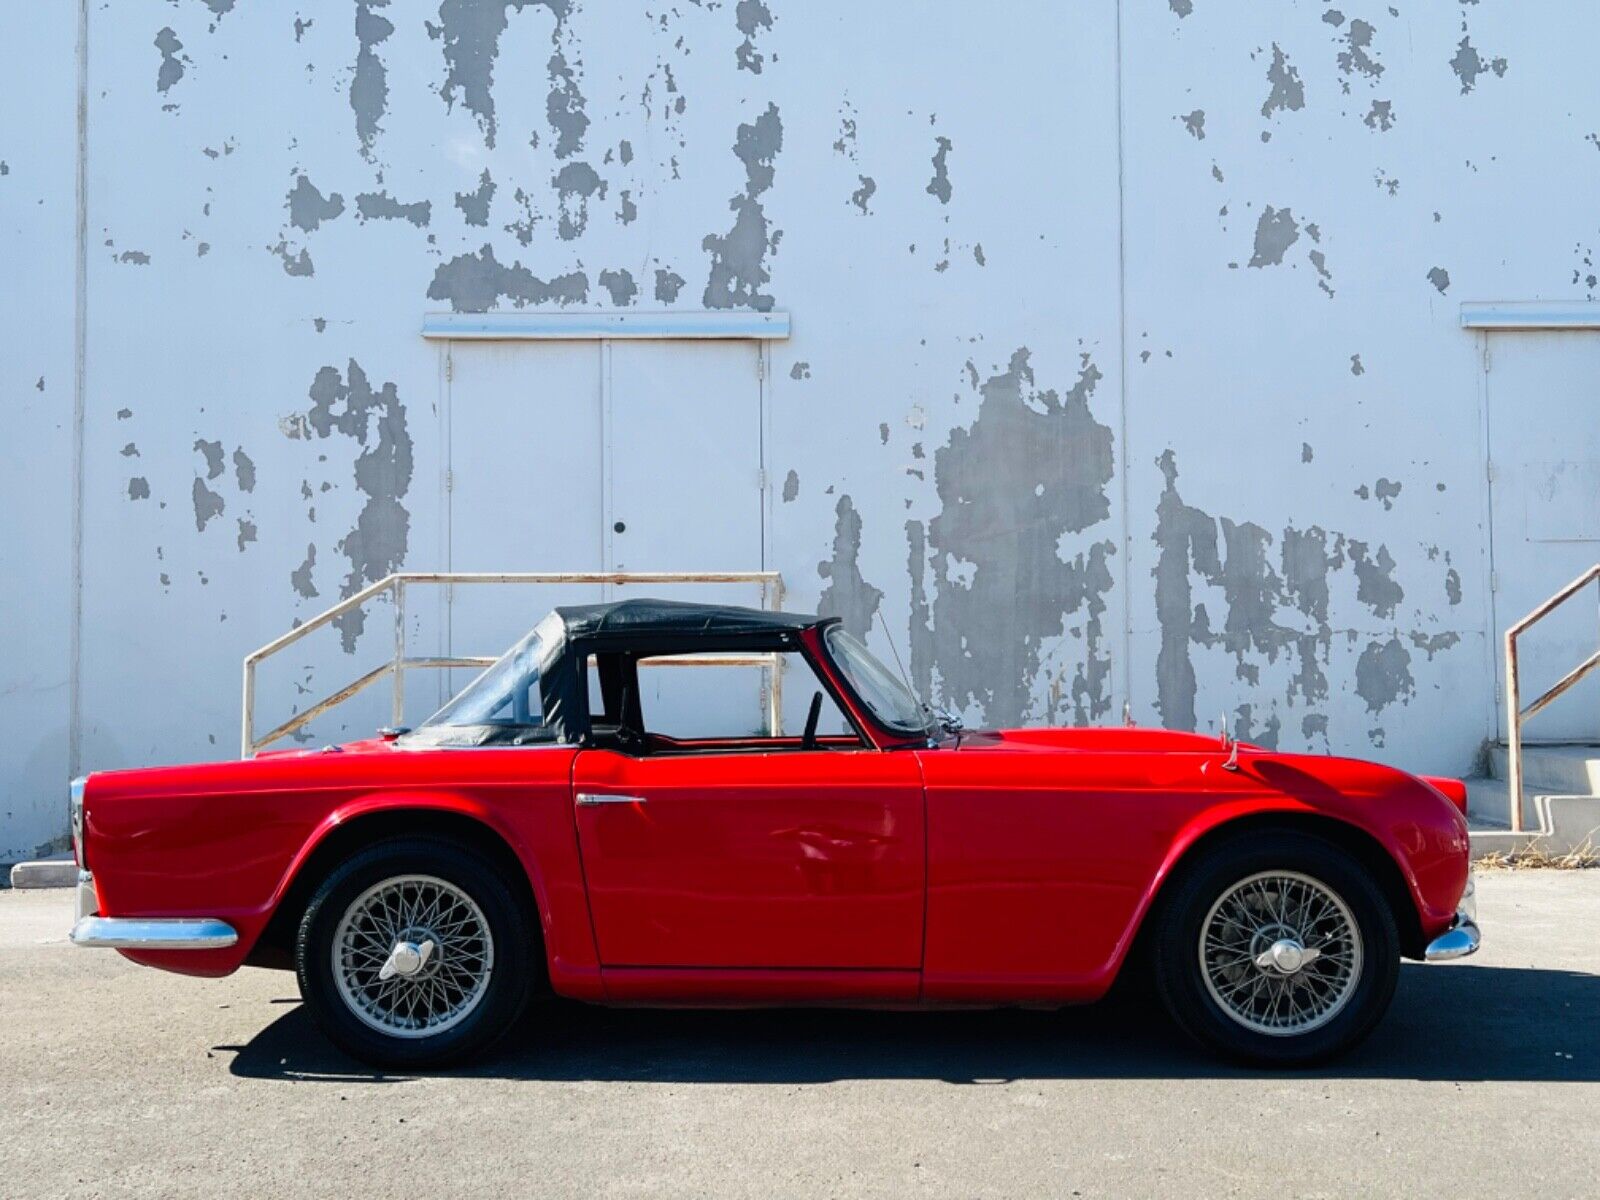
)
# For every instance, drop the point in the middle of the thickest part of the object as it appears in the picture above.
(879, 688)
(503, 706)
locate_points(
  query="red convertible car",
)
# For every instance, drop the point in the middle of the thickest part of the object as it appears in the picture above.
(557, 827)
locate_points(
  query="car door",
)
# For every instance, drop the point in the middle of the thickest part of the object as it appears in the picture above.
(737, 859)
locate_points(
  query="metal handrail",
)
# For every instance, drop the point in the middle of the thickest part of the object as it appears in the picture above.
(771, 598)
(1515, 713)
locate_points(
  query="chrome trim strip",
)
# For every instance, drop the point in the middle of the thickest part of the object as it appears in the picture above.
(591, 798)
(153, 933)
(1460, 940)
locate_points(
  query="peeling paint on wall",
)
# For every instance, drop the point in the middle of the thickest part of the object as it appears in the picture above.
(477, 282)
(751, 17)
(474, 205)
(470, 31)
(369, 85)
(1033, 468)
(309, 208)
(847, 596)
(668, 285)
(1288, 94)
(939, 185)
(380, 206)
(621, 286)
(376, 421)
(172, 60)
(1276, 231)
(738, 257)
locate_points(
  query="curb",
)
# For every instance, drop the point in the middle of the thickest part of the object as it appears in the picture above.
(47, 873)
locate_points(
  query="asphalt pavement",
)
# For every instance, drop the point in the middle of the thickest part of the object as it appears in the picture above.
(1483, 1080)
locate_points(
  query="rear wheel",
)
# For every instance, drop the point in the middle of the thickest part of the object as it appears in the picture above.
(415, 953)
(1278, 949)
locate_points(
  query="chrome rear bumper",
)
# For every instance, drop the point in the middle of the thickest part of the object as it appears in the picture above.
(144, 933)
(1462, 938)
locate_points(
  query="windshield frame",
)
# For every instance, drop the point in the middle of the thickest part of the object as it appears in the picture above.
(926, 726)
(520, 667)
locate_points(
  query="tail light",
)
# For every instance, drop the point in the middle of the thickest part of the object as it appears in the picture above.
(75, 810)
(1452, 790)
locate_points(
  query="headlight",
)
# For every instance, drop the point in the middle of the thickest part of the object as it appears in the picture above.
(75, 811)
(1469, 899)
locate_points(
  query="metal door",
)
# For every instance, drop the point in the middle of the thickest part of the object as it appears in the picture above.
(524, 484)
(1544, 451)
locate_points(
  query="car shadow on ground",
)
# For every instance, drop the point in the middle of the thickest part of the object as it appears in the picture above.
(1459, 1022)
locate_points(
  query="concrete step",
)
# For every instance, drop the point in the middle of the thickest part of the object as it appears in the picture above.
(45, 873)
(1572, 770)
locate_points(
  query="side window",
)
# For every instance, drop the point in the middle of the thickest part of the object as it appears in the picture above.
(683, 701)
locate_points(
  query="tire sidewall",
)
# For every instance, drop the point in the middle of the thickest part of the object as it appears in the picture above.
(509, 982)
(1180, 978)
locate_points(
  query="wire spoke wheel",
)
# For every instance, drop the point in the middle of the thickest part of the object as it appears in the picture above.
(1280, 953)
(412, 956)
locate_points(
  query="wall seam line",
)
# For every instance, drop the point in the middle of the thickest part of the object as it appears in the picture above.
(1122, 375)
(80, 335)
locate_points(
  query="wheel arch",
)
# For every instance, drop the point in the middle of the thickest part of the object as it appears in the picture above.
(1361, 844)
(377, 818)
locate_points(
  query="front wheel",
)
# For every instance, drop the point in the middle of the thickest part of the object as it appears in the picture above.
(414, 953)
(1279, 949)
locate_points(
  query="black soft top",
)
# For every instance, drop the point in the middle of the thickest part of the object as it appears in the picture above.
(569, 635)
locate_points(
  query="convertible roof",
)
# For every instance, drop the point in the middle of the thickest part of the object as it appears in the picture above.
(631, 619)
(570, 634)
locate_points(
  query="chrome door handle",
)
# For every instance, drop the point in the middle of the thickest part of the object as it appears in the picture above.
(588, 798)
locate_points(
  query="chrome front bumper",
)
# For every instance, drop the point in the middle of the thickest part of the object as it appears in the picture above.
(1462, 938)
(144, 933)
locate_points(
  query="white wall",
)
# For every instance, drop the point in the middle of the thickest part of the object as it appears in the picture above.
(996, 365)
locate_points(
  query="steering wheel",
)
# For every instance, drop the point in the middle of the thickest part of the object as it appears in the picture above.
(808, 740)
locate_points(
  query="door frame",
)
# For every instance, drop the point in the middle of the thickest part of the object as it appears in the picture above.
(1489, 321)
(603, 327)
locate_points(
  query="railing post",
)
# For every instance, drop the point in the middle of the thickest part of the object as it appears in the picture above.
(1513, 732)
(398, 713)
(247, 733)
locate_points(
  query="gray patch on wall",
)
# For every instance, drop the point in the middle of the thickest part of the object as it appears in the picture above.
(477, 282)
(1195, 123)
(1356, 56)
(1468, 65)
(1288, 94)
(474, 205)
(939, 185)
(564, 107)
(244, 470)
(375, 420)
(1254, 593)
(212, 452)
(848, 595)
(668, 285)
(1033, 467)
(300, 578)
(1383, 674)
(738, 257)
(1440, 278)
(369, 85)
(1182, 7)
(207, 504)
(791, 487)
(750, 15)
(574, 184)
(247, 532)
(293, 264)
(172, 65)
(1380, 116)
(1276, 231)
(800, 370)
(621, 286)
(380, 206)
(471, 32)
(309, 208)
(862, 194)
(139, 488)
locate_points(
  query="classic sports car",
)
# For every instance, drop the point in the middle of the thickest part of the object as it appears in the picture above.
(545, 831)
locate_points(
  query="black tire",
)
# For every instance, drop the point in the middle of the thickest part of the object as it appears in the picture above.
(509, 981)
(1181, 979)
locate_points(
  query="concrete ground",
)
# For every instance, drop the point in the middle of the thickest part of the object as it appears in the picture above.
(1483, 1080)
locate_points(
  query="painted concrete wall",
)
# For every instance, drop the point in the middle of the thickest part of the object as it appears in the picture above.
(1125, 363)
